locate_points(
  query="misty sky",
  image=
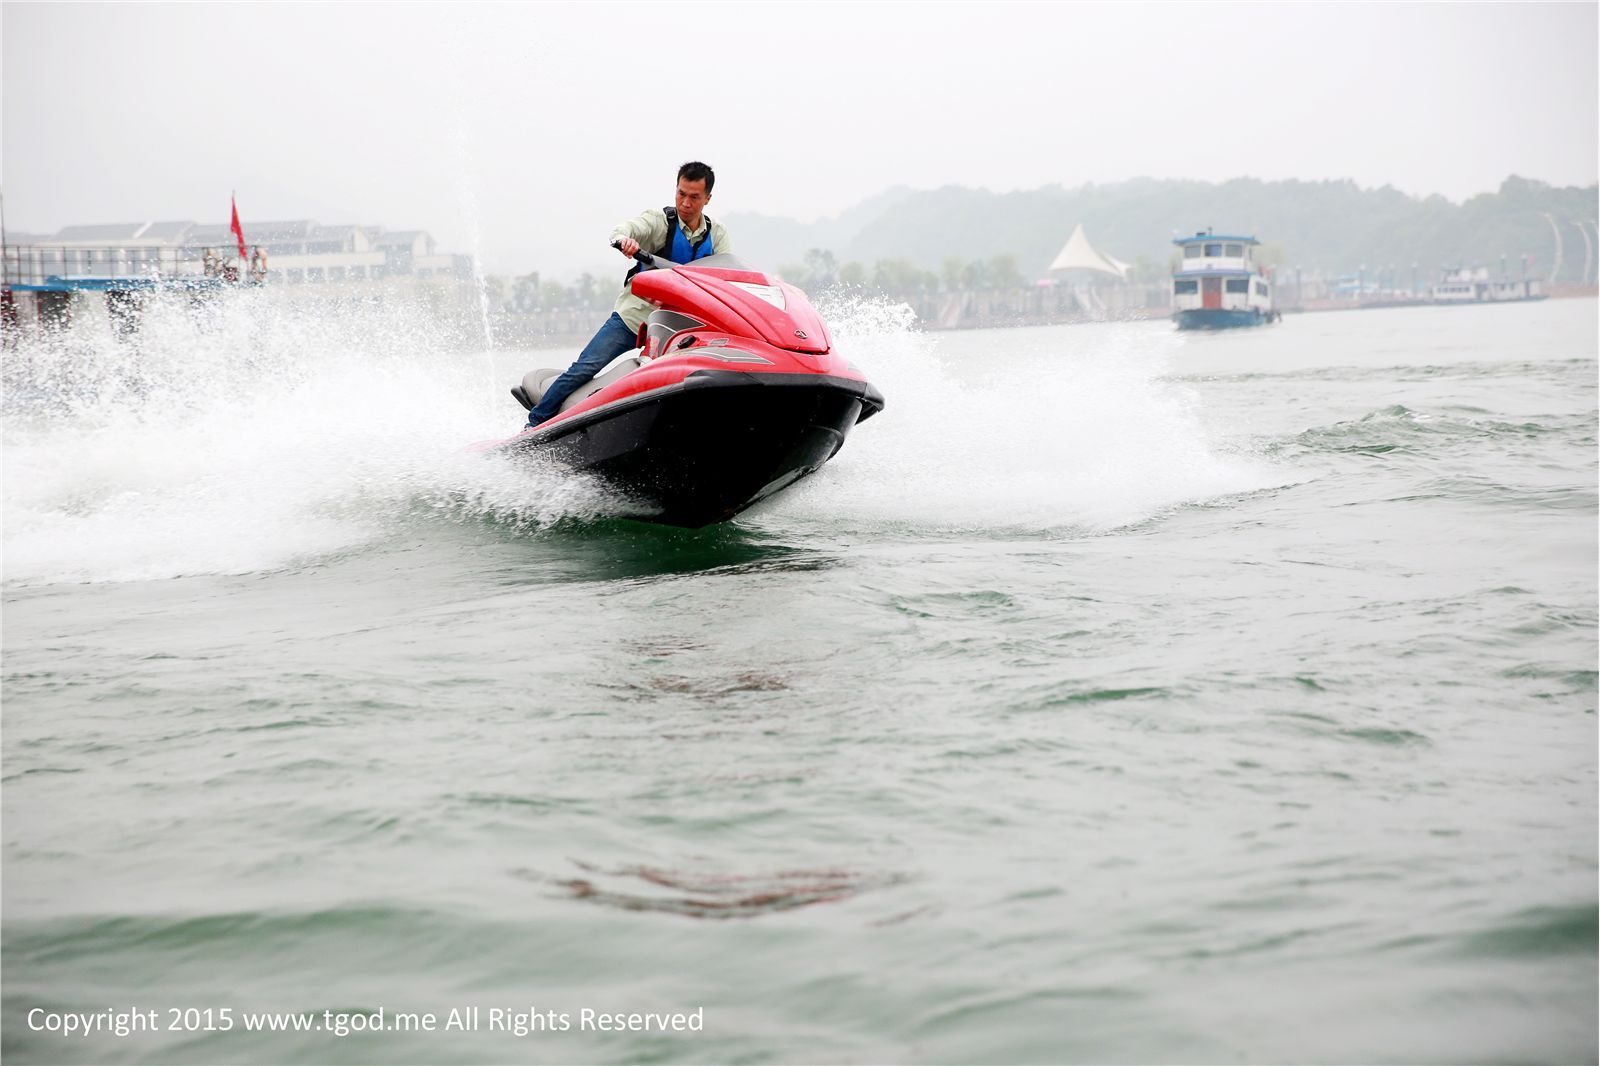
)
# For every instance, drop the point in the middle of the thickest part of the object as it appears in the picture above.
(522, 132)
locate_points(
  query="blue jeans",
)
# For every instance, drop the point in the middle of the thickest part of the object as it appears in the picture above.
(612, 340)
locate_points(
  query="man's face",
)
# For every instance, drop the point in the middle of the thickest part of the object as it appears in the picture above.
(692, 199)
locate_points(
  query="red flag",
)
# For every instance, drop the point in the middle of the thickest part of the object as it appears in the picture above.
(238, 230)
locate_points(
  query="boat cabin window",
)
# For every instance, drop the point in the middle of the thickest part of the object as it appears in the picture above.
(1191, 251)
(1234, 251)
(1238, 285)
(1181, 287)
(1261, 288)
(1213, 250)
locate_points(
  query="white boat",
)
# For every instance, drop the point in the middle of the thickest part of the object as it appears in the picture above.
(1476, 287)
(1218, 284)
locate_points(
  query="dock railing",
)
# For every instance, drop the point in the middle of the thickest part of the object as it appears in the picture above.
(40, 266)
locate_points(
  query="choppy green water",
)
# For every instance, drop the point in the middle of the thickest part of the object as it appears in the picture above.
(1116, 696)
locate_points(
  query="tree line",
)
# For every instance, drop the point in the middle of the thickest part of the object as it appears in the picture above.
(526, 294)
(918, 243)
(1325, 227)
(819, 271)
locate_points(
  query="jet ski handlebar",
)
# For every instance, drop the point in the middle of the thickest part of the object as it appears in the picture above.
(645, 260)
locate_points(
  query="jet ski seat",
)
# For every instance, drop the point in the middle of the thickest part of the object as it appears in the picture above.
(534, 382)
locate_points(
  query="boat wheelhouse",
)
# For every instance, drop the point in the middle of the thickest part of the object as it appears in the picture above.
(1218, 285)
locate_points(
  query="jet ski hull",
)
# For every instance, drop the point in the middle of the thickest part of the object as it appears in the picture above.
(703, 449)
(735, 392)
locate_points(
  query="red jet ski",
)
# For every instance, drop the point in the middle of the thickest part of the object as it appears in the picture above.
(734, 394)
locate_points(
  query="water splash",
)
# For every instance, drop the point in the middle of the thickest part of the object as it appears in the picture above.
(252, 433)
(266, 429)
(1023, 429)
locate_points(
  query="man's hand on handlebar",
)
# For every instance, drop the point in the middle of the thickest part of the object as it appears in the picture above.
(628, 246)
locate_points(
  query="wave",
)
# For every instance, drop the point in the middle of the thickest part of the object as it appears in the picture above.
(1403, 430)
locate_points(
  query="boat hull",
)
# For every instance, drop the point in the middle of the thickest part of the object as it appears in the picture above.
(1220, 318)
(702, 450)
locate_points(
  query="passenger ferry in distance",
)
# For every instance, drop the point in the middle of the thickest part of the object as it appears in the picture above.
(1218, 284)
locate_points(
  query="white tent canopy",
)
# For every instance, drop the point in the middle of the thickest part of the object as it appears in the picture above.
(1080, 255)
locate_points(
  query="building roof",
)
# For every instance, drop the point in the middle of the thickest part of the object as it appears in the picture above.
(1079, 254)
(400, 238)
(166, 231)
(112, 231)
(194, 235)
(1201, 238)
(254, 232)
(211, 235)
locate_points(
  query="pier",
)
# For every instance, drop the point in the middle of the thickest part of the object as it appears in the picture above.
(41, 280)
(52, 268)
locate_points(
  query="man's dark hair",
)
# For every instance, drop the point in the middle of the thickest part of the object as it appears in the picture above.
(698, 172)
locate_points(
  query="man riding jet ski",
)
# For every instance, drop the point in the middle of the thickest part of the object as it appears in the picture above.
(735, 391)
(680, 233)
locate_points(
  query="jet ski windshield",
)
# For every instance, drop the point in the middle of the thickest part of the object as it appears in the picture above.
(721, 261)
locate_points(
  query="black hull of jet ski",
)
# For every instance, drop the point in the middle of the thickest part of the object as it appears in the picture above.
(702, 450)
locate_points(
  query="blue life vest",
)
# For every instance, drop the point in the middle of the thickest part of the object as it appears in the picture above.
(678, 247)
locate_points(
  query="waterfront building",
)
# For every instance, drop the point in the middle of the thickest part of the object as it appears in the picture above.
(298, 252)
(46, 275)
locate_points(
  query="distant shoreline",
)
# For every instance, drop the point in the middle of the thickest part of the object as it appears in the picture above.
(567, 339)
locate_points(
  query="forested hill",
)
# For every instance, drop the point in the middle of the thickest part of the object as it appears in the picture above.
(1328, 226)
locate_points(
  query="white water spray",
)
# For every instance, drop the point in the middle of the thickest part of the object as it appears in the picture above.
(251, 433)
(1073, 428)
(262, 431)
